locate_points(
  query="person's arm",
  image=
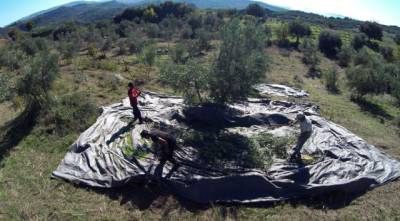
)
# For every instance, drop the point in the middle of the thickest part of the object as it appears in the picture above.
(163, 142)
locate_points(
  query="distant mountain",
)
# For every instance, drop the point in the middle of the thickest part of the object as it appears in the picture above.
(76, 11)
(71, 4)
(211, 4)
(87, 11)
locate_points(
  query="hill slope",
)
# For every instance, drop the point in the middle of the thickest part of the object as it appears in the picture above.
(82, 11)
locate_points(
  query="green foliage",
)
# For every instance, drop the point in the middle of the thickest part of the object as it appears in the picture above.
(68, 49)
(5, 87)
(191, 80)
(329, 43)
(397, 39)
(37, 79)
(203, 40)
(179, 54)
(93, 51)
(31, 46)
(282, 33)
(344, 56)
(387, 52)
(148, 57)
(69, 113)
(195, 21)
(256, 10)
(359, 41)
(221, 149)
(331, 78)
(14, 34)
(241, 62)
(367, 73)
(310, 52)
(299, 30)
(372, 29)
(13, 58)
(29, 25)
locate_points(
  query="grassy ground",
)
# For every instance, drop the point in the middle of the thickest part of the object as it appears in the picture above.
(28, 193)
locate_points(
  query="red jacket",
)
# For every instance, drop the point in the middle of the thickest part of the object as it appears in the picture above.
(133, 93)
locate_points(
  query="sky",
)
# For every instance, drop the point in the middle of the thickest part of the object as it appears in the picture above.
(382, 11)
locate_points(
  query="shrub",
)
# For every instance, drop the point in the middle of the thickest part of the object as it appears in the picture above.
(387, 52)
(310, 52)
(329, 43)
(68, 113)
(179, 54)
(241, 62)
(11, 58)
(366, 76)
(148, 58)
(359, 41)
(282, 33)
(93, 51)
(372, 29)
(299, 30)
(331, 78)
(256, 10)
(344, 56)
(397, 39)
(37, 79)
(5, 87)
(190, 79)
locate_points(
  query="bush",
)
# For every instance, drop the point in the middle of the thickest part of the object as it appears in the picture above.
(256, 10)
(387, 52)
(190, 79)
(282, 33)
(69, 113)
(93, 51)
(331, 78)
(397, 39)
(36, 80)
(241, 62)
(329, 43)
(148, 58)
(299, 30)
(11, 58)
(179, 54)
(344, 56)
(5, 87)
(366, 76)
(310, 52)
(372, 29)
(359, 41)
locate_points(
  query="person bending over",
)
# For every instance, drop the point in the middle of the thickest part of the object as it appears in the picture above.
(164, 143)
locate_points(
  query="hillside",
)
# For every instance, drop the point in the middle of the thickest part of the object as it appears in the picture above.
(83, 11)
(79, 12)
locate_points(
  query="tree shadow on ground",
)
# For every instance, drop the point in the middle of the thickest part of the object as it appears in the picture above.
(15, 130)
(372, 108)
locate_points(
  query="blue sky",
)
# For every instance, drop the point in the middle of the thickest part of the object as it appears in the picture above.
(382, 11)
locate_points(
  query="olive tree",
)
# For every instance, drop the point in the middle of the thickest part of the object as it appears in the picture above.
(241, 61)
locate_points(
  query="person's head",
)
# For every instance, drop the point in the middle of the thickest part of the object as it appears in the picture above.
(145, 134)
(130, 85)
(300, 117)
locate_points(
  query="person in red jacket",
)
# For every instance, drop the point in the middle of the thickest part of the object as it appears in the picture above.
(133, 94)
